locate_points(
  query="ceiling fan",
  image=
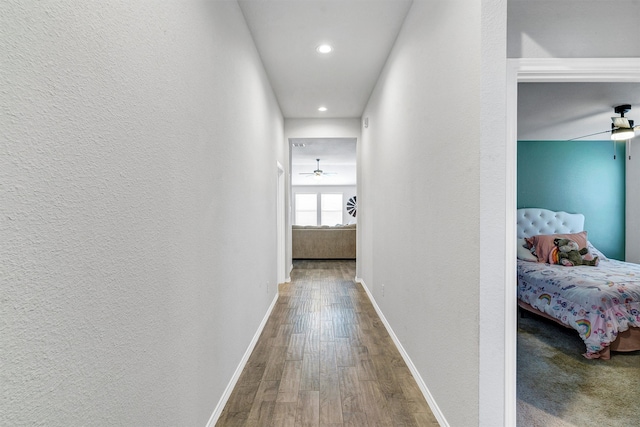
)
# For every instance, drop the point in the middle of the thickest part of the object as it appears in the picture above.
(318, 173)
(622, 128)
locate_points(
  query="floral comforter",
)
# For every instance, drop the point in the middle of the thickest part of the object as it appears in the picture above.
(598, 302)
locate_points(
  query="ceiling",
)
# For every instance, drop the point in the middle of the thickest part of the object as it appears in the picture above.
(563, 111)
(337, 155)
(362, 33)
(287, 32)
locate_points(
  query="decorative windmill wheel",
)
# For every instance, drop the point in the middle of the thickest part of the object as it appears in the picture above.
(352, 206)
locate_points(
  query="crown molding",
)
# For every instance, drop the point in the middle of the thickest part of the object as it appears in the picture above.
(576, 69)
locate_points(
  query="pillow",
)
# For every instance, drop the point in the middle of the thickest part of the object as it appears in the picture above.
(524, 253)
(595, 252)
(543, 243)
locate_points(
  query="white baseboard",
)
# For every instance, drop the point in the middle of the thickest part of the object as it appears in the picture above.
(414, 371)
(243, 362)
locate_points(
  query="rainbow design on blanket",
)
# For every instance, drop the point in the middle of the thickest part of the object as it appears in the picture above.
(545, 297)
(584, 326)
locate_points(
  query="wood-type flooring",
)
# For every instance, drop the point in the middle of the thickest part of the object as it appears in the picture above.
(325, 358)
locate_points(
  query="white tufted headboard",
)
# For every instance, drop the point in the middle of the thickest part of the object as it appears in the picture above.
(534, 221)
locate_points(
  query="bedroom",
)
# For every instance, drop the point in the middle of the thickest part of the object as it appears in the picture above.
(592, 176)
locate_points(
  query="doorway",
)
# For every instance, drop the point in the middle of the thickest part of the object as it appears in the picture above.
(280, 226)
(323, 181)
(539, 70)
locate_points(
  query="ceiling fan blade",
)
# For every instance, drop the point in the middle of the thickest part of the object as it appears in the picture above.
(591, 134)
(621, 122)
(318, 173)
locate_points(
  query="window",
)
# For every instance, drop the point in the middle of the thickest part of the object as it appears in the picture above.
(306, 209)
(331, 209)
(318, 208)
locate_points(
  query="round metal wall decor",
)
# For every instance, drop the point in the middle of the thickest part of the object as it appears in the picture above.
(352, 206)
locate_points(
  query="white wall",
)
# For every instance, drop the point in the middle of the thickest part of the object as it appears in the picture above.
(322, 128)
(136, 138)
(421, 201)
(573, 29)
(421, 214)
(632, 242)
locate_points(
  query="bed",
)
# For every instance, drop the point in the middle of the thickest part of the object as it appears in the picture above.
(602, 303)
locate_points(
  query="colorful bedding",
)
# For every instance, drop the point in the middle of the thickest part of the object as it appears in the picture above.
(599, 302)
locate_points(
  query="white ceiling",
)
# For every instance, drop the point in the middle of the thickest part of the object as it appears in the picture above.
(287, 32)
(337, 155)
(563, 111)
(362, 32)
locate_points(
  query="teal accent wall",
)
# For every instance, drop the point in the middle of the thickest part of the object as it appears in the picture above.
(578, 177)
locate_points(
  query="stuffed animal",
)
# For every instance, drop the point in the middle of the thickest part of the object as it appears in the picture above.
(569, 255)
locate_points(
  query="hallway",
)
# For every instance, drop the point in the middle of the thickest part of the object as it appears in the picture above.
(325, 359)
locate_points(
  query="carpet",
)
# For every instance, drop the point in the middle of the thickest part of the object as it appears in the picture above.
(558, 387)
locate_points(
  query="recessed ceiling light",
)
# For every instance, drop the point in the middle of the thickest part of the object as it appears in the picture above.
(323, 109)
(324, 48)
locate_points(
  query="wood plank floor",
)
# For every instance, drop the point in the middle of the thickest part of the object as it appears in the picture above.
(325, 359)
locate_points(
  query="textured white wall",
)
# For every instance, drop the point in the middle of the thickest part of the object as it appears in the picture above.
(322, 128)
(421, 204)
(632, 243)
(137, 145)
(573, 29)
(420, 211)
(497, 368)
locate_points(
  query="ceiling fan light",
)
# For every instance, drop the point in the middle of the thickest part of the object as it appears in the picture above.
(622, 134)
(324, 48)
